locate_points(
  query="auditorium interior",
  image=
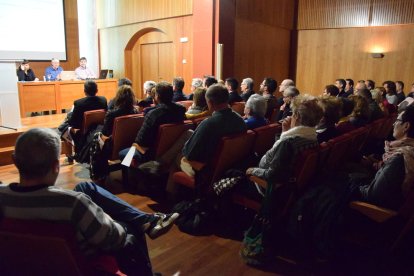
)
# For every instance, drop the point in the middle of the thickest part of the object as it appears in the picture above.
(312, 42)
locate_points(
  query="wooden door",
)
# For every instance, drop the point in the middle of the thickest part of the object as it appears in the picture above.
(157, 62)
(165, 62)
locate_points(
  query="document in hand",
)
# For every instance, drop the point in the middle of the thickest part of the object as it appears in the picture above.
(128, 158)
(66, 136)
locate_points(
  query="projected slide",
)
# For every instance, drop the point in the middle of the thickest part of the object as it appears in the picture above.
(33, 30)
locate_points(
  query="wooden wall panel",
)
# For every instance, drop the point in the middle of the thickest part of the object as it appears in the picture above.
(270, 12)
(325, 55)
(261, 51)
(385, 12)
(72, 42)
(121, 12)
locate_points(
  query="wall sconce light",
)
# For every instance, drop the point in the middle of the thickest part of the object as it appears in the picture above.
(377, 55)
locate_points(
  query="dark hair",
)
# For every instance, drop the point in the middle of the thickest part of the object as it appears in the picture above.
(408, 116)
(347, 106)
(233, 83)
(217, 94)
(331, 109)
(124, 81)
(391, 86)
(164, 90)
(83, 58)
(209, 81)
(125, 97)
(366, 94)
(400, 83)
(332, 90)
(178, 83)
(90, 88)
(342, 81)
(350, 81)
(371, 84)
(271, 85)
(25, 61)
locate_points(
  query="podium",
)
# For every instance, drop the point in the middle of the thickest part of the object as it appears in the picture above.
(9, 98)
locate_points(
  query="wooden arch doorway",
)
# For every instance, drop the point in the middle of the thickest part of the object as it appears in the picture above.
(149, 55)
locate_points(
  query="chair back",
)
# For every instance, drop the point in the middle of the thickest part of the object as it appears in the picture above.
(186, 104)
(339, 148)
(124, 132)
(231, 150)
(168, 134)
(39, 248)
(265, 138)
(92, 117)
(238, 107)
(305, 168)
(386, 129)
(376, 127)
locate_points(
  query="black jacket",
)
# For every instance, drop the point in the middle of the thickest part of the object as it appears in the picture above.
(83, 105)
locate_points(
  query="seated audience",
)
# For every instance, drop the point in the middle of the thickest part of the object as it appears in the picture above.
(203, 143)
(255, 110)
(209, 81)
(165, 112)
(360, 86)
(199, 107)
(400, 91)
(24, 73)
(149, 100)
(123, 81)
(52, 73)
(288, 95)
(326, 128)
(374, 109)
(232, 84)
(83, 72)
(361, 113)
(178, 86)
(395, 176)
(246, 87)
(195, 83)
(282, 87)
(123, 105)
(349, 86)
(331, 90)
(102, 221)
(390, 107)
(391, 92)
(267, 88)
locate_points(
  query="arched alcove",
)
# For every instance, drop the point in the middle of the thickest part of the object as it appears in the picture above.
(149, 55)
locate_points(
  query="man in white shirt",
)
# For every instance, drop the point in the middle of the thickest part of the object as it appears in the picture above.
(83, 72)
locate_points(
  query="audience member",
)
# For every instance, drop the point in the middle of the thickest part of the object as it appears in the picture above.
(267, 88)
(24, 73)
(199, 107)
(360, 114)
(255, 110)
(400, 91)
(83, 72)
(370, 84)
(149, 97)
(52, 72)
(232, 84)
(246, 88)
(331, 90)
(374, 109)
(349, 87)
(344, 125)
(391, 92)
(282, 87)
(195, 83)
(326, 128)
(165, 112)
(341, 83)
(288, 95)
(379, 99)
(122, 81)
(103, 222)
(208, 81)
(360, 86)
(395, 176)
(178, 86)
(203, 143)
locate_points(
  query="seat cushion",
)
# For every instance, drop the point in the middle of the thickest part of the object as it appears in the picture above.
(184, 179)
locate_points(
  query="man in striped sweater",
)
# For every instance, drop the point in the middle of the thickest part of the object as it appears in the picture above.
(102, 221)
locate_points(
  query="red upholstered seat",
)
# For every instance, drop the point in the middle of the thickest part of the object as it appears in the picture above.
(124, 132)
(238, 107)
(92, 117)
(186, 104)
(265, 138)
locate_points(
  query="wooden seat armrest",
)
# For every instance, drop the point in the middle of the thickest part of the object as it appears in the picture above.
(139, 148)
(197, 166)
(374, 212)
(261, 182)
(74, 130)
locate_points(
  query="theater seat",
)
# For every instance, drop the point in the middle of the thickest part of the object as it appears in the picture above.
(29, 247)
(124, 131)
(238, 107)
(265, 138)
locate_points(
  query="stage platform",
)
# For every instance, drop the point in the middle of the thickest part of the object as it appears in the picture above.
(8, 136)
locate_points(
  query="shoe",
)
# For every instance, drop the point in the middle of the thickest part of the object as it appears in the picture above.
(70, 159)
(161, 225)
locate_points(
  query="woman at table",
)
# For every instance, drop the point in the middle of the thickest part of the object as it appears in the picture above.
(24, 73)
